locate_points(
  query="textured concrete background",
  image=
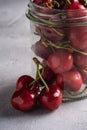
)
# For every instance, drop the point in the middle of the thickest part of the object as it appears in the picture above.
(15, 60)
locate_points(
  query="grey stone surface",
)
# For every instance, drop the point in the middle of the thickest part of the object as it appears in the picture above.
(15, 60)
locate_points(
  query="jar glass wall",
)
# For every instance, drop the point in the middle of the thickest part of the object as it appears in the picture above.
(59, 39)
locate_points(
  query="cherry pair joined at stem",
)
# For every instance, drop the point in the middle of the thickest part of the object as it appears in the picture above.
(25, 97)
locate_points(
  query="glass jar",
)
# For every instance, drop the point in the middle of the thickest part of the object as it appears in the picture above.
(59, 40)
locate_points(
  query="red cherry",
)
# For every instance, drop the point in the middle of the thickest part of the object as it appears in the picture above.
(75, 5)
(41, 50)
(60, 81)
(76, 10)
(78, 40)
(53, 34)
(25, 81)
(38, 2)
(77, 13)
(24, 99)
(52, 99)
(48, 1)
(72, 80)
(80, 60)
(48, 75)
(74, 1)
(60, 61)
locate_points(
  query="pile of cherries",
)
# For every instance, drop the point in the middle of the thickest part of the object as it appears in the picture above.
(63, 67)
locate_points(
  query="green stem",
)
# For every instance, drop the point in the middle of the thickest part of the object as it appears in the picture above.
(38, 71)
(81, 52)
(49, 43)
(57, 32)
(69, 99)
(33, 82)
(77, 94)
(42, 78)
(68, 2)
(31, 85)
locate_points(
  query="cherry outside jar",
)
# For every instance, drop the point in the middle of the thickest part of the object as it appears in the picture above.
(59, 41)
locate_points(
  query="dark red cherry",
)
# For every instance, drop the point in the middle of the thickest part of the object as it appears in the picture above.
(51, 99)
(25, 81)
(24, 99)
(40, 2)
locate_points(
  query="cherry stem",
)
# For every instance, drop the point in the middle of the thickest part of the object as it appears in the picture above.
(66, 45)
(68, 1)
(36, 79)
(70, 99)
(77, 94)
(57, 32)
(31, 85)
(38, 71)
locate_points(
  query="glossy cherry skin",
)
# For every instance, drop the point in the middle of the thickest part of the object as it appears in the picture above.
(72, 80)
(76, 10)
(52, 99)
(60, 61)
(24, 99)
(75, 5)
(25, 81)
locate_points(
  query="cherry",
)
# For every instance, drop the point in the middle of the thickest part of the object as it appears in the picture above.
(48, 1)
(78, 40)
(80, 60)
(60, 61)
(47, 75)
(74, 1)
(24, 99)
(75, 5)
(60, 81)
(25, 81)
(77, 13)
(51, 99)
(72, 80)
(76, 10)
(41, 50)
(38, 2)
(53, 34)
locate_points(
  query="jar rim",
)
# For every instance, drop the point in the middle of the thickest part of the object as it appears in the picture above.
(55, 17)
